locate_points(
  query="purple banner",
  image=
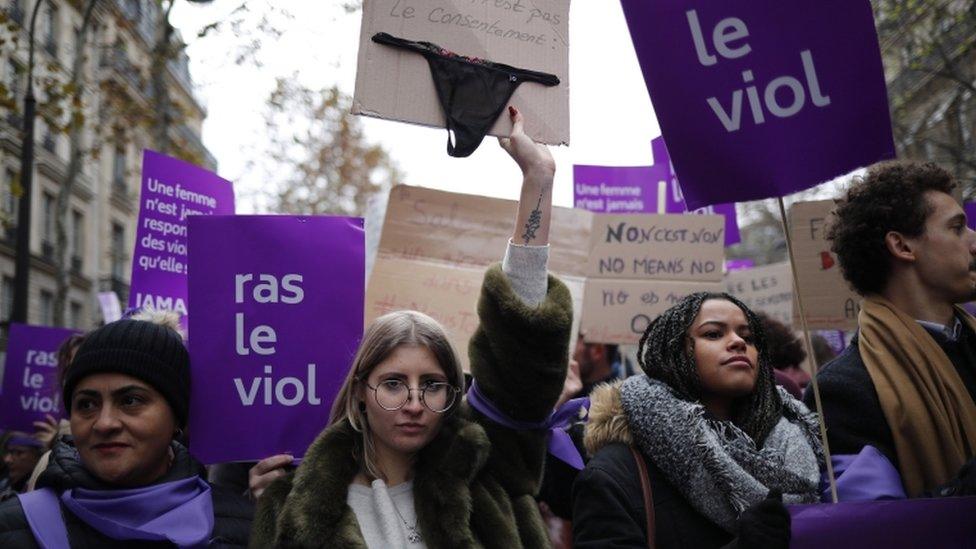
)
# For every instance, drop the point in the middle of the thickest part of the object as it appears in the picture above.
(172, 190)
(30, 388)
(970, 208)
(278, 314)
(738, 264)
(642, 189)
(762, 98)
(945, 522)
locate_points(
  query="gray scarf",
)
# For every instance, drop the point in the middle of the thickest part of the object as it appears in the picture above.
(714, 464)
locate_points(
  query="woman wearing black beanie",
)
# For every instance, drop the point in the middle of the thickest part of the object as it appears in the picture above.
(123, 477)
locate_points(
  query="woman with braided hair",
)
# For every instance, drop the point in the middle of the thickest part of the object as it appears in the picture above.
(722, 446)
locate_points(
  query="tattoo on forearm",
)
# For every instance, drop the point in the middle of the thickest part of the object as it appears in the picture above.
(534, 222)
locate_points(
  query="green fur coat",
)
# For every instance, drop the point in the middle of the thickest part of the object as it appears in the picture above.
(474, 483)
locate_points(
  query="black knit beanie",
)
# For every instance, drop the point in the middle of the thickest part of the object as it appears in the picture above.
(145, 350)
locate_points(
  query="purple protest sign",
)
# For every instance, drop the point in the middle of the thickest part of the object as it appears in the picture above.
(642, 189)
(609, 189)
(763, 98)
(944, 522)
(30, 388)
(172, 190)
(970, 208)
(277, 316)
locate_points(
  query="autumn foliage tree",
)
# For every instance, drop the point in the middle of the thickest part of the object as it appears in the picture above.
(318, 152)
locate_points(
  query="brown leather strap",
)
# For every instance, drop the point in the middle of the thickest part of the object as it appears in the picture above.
(648, 495)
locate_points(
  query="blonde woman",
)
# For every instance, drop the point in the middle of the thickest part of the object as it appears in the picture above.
(407, 461)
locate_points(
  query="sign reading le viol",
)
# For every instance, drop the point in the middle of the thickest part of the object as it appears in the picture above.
(762, 98)
(30, 389)
(278, 314)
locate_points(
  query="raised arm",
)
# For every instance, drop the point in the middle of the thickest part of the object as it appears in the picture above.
(538, 169)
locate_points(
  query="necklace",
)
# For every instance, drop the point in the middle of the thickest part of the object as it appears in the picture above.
(413, 533)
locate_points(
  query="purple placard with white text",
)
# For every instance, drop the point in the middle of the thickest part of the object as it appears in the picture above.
(172, 190)
(642, 189)
(970, 209)
(762, 98)
(30, 388)
(278, 315)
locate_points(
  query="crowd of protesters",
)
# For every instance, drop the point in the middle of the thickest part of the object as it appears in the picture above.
(702, 446)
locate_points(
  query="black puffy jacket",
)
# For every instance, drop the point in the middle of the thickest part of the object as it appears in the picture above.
(232, 512)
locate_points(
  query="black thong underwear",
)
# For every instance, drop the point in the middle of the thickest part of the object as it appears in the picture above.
(472, 91)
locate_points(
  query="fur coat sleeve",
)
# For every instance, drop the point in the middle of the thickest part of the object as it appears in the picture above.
(519, 357)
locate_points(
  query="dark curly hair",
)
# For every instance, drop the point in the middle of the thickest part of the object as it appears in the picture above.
(890, 197)
(666, 353)
(785, 349)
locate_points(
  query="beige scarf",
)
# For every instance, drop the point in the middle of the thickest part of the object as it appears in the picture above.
(930, 412)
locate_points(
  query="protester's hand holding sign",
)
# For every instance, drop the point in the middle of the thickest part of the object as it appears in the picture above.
(265, 472)
(47, 430)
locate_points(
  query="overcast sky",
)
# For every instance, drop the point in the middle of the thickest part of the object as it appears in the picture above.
(612, 121)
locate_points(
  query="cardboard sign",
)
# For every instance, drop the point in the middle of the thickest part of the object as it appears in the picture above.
(30, 388)
(768, 289)
(278, 315)
(618, 311)
(448, 293)
(657, 247)
(463, 229)
(642, 189)
(172, 191)
(828, 301)
(436, 245)
(763, 98)
(396, 84)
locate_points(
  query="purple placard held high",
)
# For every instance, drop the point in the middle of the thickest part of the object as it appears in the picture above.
(763, 98)
(277, 316)
(172, 190)
(30, 388)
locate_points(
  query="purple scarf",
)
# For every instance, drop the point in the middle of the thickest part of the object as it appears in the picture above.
(180, 512)
(560, 443)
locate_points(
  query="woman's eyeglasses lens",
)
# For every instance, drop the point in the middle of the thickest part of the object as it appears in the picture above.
(393, 394)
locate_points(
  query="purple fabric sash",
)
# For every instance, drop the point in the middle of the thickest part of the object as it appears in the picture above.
(43, 514)
(560, 443)
(893, 524)
(865, 476)
(180, 512)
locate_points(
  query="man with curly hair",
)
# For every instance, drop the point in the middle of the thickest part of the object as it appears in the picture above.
(906, 385)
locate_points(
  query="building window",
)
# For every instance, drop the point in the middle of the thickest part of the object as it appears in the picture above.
(6, 297)
(118, 251)
(74, 311)
(51, 29)
(11, 80)
(118, 169)
(77, 240)
(47, 308)
(49, 213)
(8, 200)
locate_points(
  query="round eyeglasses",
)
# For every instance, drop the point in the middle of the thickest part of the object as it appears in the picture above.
(393, 394)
